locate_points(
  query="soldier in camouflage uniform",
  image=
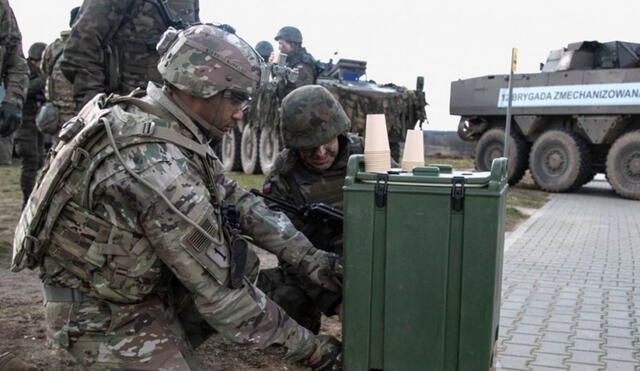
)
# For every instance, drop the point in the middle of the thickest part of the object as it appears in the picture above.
(290, 42)
(59, 90)
(310, 170)
(134, 218)
(14, 75)
(29, 141)
(111, 48)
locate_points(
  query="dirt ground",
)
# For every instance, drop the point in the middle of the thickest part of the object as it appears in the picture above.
(22, 320)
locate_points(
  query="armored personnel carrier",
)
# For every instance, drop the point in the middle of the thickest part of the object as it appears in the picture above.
(252, 146)
(577, 117)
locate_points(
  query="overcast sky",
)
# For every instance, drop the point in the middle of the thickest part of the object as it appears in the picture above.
(401, 39)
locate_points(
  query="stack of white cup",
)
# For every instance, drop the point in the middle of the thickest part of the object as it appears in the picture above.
(413, 155)
(377, 156)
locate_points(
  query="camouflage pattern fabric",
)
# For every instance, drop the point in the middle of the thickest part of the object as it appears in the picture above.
(13, 66)
(112, 45)
(292, 181)
(59, 90)
(13, 70)
(29, 141)
(118, 245)
(236, 66)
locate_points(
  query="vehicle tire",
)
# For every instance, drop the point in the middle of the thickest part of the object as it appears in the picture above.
(230, 150)
(560, 161)
(491, 146)
(623, 165)
(269, 148)
(249, 153)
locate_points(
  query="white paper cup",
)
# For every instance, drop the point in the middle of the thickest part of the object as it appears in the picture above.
(377, 162)
(376, 136)
(413, 150)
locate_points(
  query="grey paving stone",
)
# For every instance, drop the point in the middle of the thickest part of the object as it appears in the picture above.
(627, 343)
(513, 363)
(548, 359)
(620, 366)
(587, 345)
(620, 354)
(583, 356)
(518, 350)
(583, 367)
(555, 348)
(525, 339)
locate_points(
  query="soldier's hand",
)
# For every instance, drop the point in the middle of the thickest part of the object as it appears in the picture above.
(10, 117)
(324, 268)
(328, 354)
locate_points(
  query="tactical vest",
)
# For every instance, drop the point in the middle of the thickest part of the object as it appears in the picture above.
(327, 186)
(131, 51)
(117, 264)
(59, 90)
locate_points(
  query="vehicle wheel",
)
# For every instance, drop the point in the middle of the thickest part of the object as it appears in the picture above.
(269, 148)
(491, 146)
(623, 165)
(560, 161)
(230, 150)
(249, 150)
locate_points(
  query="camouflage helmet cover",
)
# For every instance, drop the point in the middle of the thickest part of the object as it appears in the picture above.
(264, 48)
(290, 34)
(311, 117)
(204, 60)
(36, 50)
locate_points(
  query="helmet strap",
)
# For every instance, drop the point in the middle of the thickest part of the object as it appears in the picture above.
(210, 127)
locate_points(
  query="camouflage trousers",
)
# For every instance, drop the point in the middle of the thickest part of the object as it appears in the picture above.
(303, 300)
(6, 150)
(107, 336)
(29, 144)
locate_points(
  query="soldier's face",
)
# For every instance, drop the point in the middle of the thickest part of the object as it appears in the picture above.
(285, 46)
(321, 157)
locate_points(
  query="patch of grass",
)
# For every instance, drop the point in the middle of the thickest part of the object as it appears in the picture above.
(514, 218)
(247, 181)
(457, 163)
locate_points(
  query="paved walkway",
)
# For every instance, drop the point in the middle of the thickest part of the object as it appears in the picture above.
(571, 285)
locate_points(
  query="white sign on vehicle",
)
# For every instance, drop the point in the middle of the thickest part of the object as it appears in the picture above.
(623, 94)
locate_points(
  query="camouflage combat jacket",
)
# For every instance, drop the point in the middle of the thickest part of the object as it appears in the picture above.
(112, 47)
(14, 71)
(107, 234)
(305, 64)
(291, 180)
(58, 90)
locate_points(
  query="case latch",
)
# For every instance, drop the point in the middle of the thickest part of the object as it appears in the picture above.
(457, 193)
(380, 191)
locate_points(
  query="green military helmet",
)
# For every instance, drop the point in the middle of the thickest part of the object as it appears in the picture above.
(35, 51)
(204, 60)
(311, 117)
(264, 48)
(290, 34)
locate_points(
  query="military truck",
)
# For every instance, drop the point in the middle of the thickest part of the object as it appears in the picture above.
(253, 145)
(577, 117)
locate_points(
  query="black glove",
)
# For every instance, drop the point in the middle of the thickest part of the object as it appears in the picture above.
(10, 118)
(327, 355)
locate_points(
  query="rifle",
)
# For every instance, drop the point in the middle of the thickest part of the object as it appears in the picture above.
(313, 215)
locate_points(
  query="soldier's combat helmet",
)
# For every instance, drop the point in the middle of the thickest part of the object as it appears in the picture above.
(264, 48)
(204, 60)
(36, 50)
(311, 117)
(290, 34)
